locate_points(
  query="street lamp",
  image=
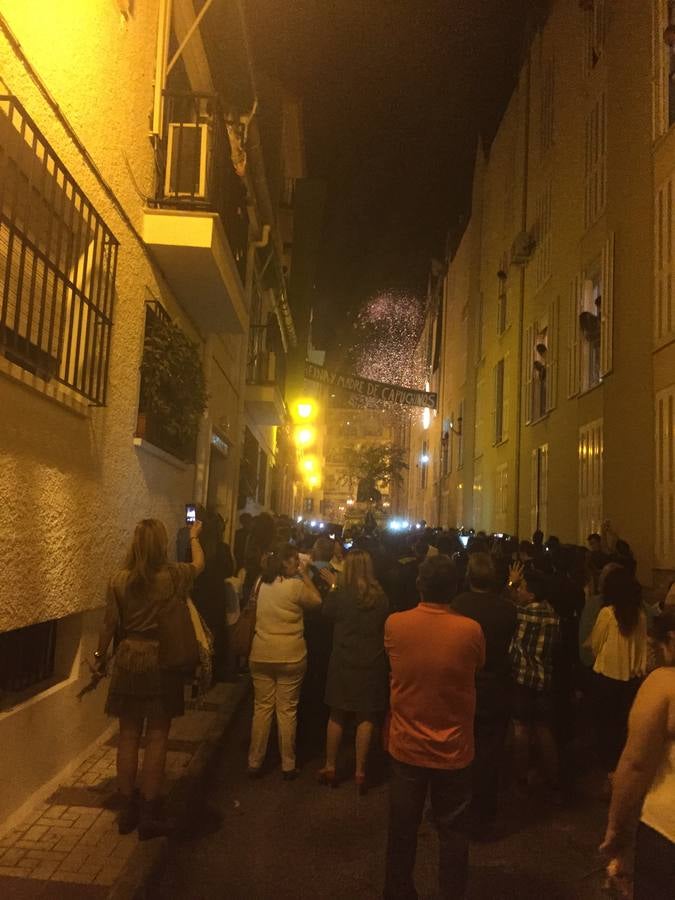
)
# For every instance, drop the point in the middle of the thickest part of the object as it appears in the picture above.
(305, 436)
(304, 410)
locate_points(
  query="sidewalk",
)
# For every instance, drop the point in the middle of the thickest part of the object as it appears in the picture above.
(69, 846)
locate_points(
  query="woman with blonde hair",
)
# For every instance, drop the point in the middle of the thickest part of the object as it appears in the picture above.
(357, 671)
(141, 692)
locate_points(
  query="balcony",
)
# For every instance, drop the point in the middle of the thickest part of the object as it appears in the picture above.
(197, 226)
(264, 381)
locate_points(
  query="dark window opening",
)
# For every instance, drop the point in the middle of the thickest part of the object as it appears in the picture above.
(26, 657)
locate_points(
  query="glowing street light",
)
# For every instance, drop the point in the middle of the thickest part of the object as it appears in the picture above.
(305, 436)
(304, 410)
(309, 464)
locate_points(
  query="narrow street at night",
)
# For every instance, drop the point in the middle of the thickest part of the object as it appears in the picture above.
(337, 449)
(301, 840)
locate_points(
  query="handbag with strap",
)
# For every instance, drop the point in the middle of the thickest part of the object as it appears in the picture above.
(178, 644)
(242, 632)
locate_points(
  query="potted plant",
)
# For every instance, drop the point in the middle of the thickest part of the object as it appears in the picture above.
(173, 389)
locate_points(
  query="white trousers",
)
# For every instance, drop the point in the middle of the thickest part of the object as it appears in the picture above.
(276, 687)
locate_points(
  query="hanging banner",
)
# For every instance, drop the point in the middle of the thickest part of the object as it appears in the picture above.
(370, 390)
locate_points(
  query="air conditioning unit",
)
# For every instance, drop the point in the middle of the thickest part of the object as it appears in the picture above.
(186, 160)
(522, 248)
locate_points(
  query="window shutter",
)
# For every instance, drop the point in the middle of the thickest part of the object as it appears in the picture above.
(506, 397)
(664, 318)
(607, 309)
(534, 480)
(659, 70)
(552, 352)
(543, 488)
(493, 424)
(527, 372)
(573, 354)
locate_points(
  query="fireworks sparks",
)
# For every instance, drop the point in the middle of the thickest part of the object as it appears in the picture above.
(388, 329)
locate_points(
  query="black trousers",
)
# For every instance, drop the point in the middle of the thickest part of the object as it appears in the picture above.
(490, 730)
(450, 792)
(612, 701)
(654, 877)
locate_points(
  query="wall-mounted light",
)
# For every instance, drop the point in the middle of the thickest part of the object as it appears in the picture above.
(424, 459)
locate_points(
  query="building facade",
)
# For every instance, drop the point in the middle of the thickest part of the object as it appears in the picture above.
(145, 244)
(557, 368)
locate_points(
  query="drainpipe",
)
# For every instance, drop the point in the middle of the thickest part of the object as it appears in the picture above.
(521, 312)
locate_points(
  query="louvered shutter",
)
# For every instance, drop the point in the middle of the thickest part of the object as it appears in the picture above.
(573, 354)
(506, 397)
(527, 372)
(607, 309)
(552, 353)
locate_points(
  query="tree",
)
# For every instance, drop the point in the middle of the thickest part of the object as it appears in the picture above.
(373, 465)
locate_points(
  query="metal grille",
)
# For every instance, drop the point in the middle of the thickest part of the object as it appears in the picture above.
(27, 656)
(57, 264)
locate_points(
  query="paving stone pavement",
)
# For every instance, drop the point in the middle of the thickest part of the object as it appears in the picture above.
(69, 846)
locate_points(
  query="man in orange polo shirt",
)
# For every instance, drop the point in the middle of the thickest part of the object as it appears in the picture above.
(434, 654)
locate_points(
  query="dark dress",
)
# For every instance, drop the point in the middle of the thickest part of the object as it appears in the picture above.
(357, 671)
(139, 687)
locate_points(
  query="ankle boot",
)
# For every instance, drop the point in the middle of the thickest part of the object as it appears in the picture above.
(153, 823)
(129, 814)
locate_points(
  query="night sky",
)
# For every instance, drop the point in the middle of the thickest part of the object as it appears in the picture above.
(395, 94)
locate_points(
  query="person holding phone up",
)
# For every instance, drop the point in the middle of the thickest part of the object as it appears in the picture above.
(142, 694)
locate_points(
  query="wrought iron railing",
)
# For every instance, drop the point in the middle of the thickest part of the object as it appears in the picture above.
(196, 169)
(57, 264)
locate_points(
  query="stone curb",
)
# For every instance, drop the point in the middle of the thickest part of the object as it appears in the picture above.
(148, 860)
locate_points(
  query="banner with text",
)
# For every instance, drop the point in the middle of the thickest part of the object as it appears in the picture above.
(370, 390)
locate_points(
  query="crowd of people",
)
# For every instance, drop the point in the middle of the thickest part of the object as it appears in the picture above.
(458, 648)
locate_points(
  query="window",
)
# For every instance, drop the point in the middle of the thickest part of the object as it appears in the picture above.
(262, 477)
(502, 296)
(477, 501)
(500, 404)
(249, 469)
(446, 450)
(541, 374)
(501, 496)
(595, 162)
(57, 264)
(595, 32)
(543, 238)
(459, 504)
(590, 479)
(665, 478)
(539, 490)
(546, 107)
(308, 505)
(458, 429)
(480, 344)
(591, 325)
(664, 314)
(478, 420)
(424, 465)
(663, 67)
(26, 658)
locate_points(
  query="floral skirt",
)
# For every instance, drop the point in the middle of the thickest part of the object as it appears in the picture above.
(139, 688)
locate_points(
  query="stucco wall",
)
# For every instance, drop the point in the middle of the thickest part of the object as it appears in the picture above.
(72, 486)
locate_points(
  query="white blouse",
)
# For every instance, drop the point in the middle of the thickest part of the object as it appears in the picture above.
(279, 624)
(617, 656)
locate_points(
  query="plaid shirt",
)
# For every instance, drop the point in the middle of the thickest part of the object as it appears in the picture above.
(537, 631)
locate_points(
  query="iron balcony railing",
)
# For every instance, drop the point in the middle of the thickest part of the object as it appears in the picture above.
(57, 264)
(196, 171)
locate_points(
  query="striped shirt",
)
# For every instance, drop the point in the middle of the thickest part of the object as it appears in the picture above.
(537, 630)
